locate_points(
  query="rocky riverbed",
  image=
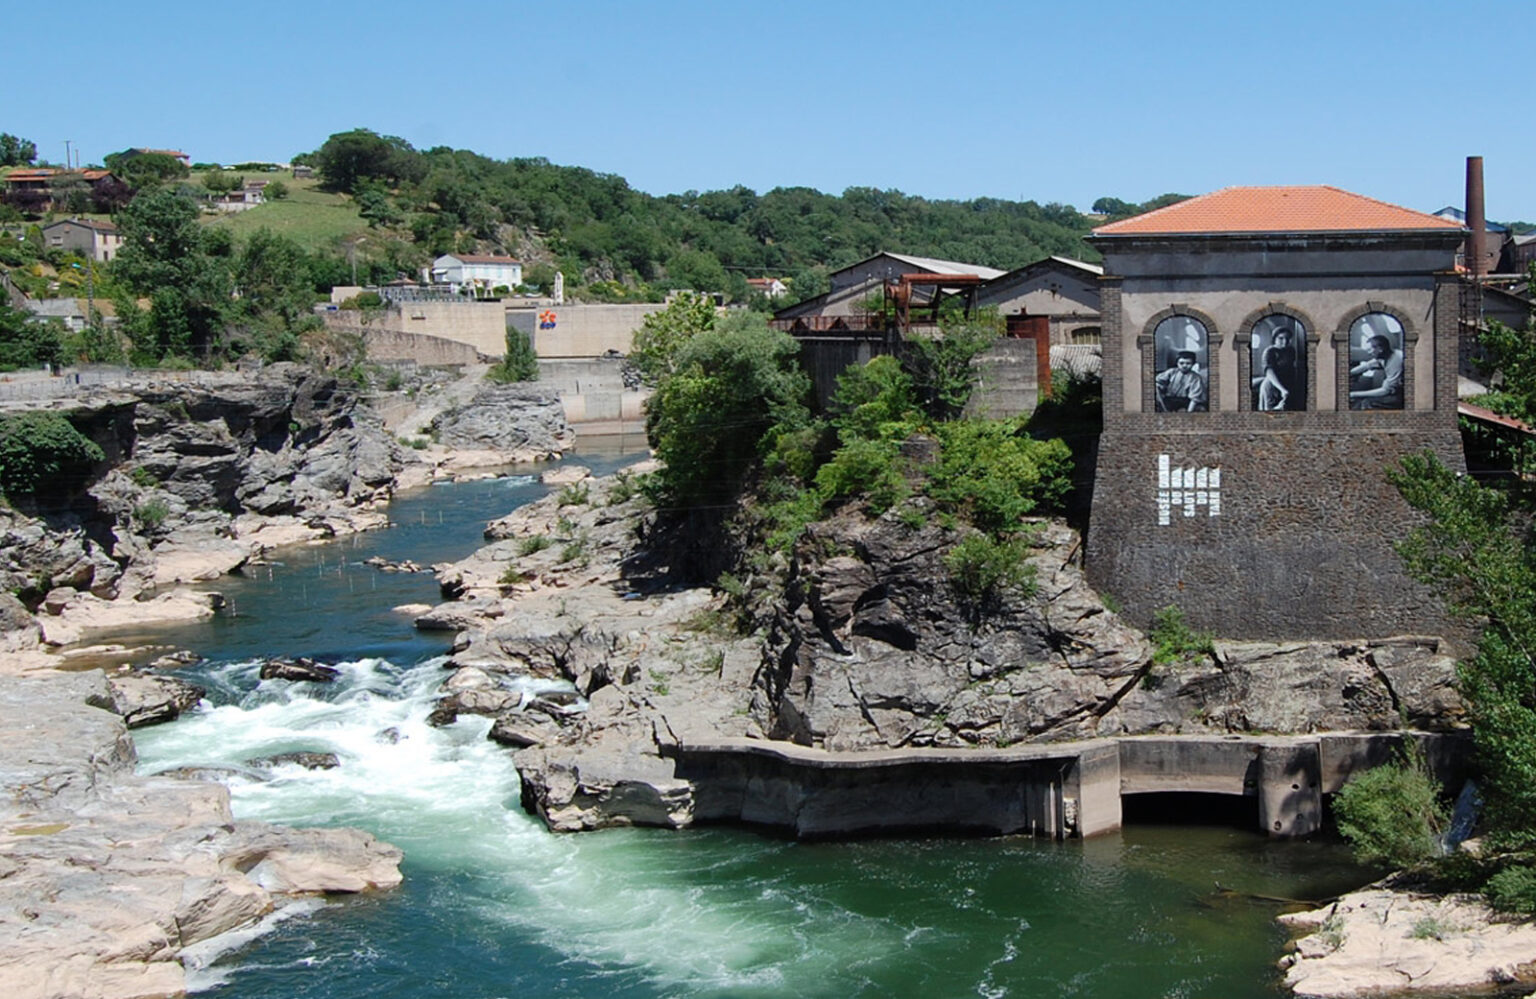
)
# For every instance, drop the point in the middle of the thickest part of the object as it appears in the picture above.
(1390, 939)
(203, 475)
(106, 877)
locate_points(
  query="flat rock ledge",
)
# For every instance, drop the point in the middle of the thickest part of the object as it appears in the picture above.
(1383, 941)
(105, 876)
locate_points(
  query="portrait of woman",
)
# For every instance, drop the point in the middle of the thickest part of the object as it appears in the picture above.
(1279, 368)
(1182, 362)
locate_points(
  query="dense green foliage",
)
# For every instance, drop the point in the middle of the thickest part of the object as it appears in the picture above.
(142, 171)
(16, 151)
(596, 226)
(182, 268)
(994, 474)
(662, 334)
(983, 568)
(1392, 814)
(732, 389)
(519, 363)
(43, 453)
(1477, 548)
(207, 301)
(28, 342)
(1173, 640)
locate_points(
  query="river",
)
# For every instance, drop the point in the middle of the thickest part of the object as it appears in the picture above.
(493, 905)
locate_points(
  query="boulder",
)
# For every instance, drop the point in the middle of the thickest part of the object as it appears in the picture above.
(306, 759)
(298, 670)
(511, 419)
(148, 699)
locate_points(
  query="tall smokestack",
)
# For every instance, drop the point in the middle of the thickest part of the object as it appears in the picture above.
(1476, 254)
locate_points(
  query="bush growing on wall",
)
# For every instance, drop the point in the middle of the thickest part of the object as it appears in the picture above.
(519, 364)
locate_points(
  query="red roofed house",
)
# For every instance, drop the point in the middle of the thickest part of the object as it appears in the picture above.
(174, 154)
(36, 189)
(1269, 352)
(481, 272)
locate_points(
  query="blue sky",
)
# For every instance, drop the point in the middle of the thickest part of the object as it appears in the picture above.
(1064, 101)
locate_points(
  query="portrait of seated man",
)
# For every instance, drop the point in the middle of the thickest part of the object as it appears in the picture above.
(1376, 368)
(1182, 388)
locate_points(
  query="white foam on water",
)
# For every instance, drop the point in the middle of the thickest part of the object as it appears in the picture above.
(622, 899)
(198, 959)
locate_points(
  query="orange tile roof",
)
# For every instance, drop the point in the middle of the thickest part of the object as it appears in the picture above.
(1276, 209)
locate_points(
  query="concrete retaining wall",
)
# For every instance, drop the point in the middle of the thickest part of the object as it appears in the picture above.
(581, 330)
(1056, 790)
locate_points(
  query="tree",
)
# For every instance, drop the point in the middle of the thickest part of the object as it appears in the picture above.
(43, 453)
(1113, 206)
(662, 334)
(16, 151)
(145, 170)
(348, 157)
(942, 367)
(730, 391)
(276, 191)
(28, 342)
(219, 180)
(182, 267)
(275, 295)
(519, 363)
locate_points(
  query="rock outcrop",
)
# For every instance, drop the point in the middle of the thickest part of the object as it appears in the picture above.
(517, 422)
(105, 876)
(872, 647)
(199, 476)
(862, 644)
(1385, 940)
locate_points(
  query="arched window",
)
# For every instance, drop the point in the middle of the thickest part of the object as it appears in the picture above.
(1376, 362)
(1087, 335)
(1181, 357)
(1279, 373)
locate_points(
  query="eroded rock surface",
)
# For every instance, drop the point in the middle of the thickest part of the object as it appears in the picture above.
(518, 422)
(1395, 941)
(105, 876)
(873, 648)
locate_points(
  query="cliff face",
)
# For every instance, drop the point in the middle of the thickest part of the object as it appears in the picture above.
(871, 648)
(859, 643)
(199, 466)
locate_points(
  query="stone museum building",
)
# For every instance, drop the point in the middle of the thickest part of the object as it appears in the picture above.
(1269, 353)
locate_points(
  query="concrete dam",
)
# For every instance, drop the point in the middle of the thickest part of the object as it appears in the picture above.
(1059, 790)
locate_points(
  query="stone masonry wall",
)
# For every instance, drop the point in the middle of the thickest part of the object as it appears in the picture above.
(1292, 539)
(1270, 525)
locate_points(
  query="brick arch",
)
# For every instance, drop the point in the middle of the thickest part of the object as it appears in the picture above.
(1243, 341)
(1146, 342)
(1341, 350)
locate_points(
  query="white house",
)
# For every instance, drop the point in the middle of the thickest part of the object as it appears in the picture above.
(481, 272)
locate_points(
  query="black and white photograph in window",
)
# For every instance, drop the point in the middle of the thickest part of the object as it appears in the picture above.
(1183, 364)
(1376, 362)
(1279, 365)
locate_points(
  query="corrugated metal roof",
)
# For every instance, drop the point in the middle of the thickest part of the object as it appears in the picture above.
(1297, 209)
(1489, 416)
(943, 266)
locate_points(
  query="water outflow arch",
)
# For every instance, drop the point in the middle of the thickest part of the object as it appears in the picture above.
(1058, 790)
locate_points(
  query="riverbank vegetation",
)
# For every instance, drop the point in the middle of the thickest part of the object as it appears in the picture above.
(1478, 549)
(743, 454)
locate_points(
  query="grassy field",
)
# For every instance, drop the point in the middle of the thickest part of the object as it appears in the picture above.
(309, 216)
